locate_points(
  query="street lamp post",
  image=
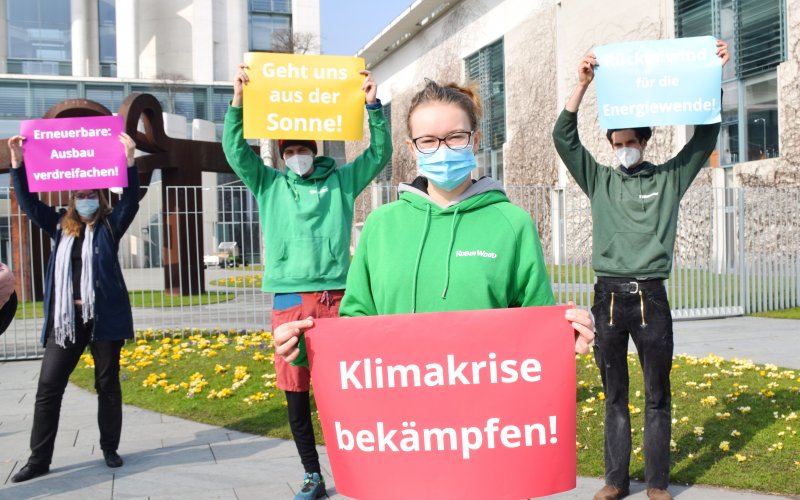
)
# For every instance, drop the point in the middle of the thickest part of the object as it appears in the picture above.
(763, 133)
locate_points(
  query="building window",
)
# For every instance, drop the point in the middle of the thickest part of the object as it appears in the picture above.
(756, 36)
(266, 19)
(47, 95)
(107, 27)
(486, 68)
(39, 37)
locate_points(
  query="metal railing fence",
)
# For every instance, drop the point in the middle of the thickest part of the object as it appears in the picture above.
(737, 251)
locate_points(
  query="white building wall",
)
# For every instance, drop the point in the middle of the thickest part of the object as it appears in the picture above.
(127, 39)
(306, 19)
(202, 23)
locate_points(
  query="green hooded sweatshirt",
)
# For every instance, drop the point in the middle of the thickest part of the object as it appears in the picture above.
(479, 252)
(634, 217)
(306, 221)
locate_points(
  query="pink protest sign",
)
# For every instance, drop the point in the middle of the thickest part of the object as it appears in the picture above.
(65, 154)
(468, 404)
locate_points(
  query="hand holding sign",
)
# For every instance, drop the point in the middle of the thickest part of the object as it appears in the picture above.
(583, 323)
(15, 146)
(369, 87)
(287, 338)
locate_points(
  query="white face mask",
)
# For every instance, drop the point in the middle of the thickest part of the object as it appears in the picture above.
(300, 164)
(628, 156)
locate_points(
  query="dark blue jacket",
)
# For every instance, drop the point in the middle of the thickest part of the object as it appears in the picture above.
(112, 309)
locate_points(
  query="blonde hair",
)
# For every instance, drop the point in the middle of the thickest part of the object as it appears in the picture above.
(72, 223)
(464, 96)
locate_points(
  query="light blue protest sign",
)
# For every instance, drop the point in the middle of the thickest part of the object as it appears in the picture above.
(659, 82)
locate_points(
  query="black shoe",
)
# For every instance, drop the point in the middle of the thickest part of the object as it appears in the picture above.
(112, 459)
(30, 471)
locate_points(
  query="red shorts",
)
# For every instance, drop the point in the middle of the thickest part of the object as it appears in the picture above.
(314, 304)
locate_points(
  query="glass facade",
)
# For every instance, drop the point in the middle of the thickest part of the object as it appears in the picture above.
(756, 36)
(107, 28)
(26, 99)
(39, 37)
(266, 19)
(486, 68)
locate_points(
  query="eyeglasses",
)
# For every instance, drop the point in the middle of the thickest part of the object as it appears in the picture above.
(429, 144)
(85, 196)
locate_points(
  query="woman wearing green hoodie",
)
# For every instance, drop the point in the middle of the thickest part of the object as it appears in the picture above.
(449, 243)
(306, 214)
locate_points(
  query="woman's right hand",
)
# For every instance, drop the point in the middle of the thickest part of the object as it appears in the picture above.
(239, 82)
(287, 336)
(15, 147)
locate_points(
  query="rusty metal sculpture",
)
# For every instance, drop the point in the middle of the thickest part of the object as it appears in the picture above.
(181, 162)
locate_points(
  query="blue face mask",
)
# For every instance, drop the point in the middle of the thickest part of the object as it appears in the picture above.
(447, 168)
(87, 207)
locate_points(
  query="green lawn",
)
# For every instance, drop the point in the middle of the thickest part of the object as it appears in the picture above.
(793, 313)
(736, 424)
(140, 298)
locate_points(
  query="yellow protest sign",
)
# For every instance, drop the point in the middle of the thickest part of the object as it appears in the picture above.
(294, 96)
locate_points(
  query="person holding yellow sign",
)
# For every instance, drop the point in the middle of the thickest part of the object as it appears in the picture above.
(306, 215)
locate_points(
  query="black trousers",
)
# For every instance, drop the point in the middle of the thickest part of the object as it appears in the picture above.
(641, 310)
(299, 406)
(57, 365)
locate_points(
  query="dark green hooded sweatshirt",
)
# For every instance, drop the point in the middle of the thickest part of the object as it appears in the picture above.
(634, 217)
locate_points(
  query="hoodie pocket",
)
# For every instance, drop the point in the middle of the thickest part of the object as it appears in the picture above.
(633, 252)
(304, 258)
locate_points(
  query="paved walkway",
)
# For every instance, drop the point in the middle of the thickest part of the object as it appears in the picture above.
(169, 458)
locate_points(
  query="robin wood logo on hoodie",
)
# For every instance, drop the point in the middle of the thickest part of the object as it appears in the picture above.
(476, 253)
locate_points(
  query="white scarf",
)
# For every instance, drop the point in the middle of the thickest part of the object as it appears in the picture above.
(64, 307)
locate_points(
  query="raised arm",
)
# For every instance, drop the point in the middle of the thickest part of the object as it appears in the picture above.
(688, 163)
(243, 160)
(358, 174)
(43, 215)
(123, 214)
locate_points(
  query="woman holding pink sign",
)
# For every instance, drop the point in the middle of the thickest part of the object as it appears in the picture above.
(86, 303)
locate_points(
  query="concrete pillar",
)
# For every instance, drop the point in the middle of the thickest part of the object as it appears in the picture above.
(237, 36)
(3, 38)
(79, 17)
(127, 19)
(202, 41)
(85, 34)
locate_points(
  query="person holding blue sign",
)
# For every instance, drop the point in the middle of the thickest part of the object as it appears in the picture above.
(634, 220)
(306, 214)
(86, 304)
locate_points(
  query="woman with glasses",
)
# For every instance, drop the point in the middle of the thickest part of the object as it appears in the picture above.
(449, 243)
(86, 303)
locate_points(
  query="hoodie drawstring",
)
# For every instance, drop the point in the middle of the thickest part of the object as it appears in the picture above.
(293, 187)
(419, 258)
(449, 251)
(641, 193)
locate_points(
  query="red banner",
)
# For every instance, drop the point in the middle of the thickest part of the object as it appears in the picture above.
(470, 404)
